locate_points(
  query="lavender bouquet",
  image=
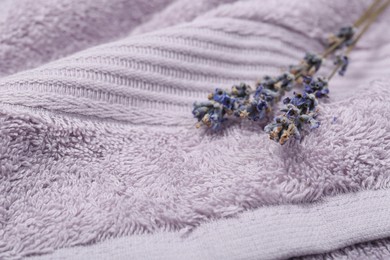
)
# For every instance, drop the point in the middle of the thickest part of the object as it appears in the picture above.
(299, 114)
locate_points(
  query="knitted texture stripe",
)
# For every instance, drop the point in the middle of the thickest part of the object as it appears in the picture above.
(101, 144)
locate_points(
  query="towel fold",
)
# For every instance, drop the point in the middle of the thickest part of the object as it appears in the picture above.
(101, 144)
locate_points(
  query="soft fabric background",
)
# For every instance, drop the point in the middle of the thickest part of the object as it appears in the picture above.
(101, 144)
(272, 232)
(34, 32)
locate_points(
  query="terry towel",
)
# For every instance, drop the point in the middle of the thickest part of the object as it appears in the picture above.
(101, 144)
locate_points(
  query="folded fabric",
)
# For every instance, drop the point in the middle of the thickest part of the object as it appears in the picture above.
(274, 232)
(35, 32)
(102, 144)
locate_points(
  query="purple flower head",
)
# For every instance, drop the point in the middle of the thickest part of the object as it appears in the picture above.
(254, 110)
(259, 90)
(298, 112)
(287, 81)
(313, 60)
(269, 83)
(200, 109)
(261, 105)
(270, 95)
(241, 91)
(322, 93)
(209, 113)
(346, 32)
(344, 37)
(266, 83)
(219, 95)
(261, 108)
(291, 111)
(298, 100)
(282, 129)
(223, 98)
(266, 91)
(216, 118)
(317, 86)
(344, 61)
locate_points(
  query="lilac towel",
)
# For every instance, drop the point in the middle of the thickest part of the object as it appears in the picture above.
(102, 144)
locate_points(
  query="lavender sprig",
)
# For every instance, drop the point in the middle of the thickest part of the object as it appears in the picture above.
(299, 111)
(343, 61)
(310, 64)
(344, 35)
(242, 102)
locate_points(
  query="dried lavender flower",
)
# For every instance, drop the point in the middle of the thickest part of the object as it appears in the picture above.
(319, 86)
(240, 102)
(209, 113)
(344, 37)
(344, 61)
(254, 109)
(313, 60)
(221, 103)
(298, 112)
(310, 64)
(224, 99)
(241, 91)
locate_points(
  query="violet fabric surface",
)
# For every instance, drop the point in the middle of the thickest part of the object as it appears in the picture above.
(101, 144)
(35, 32)
(271, 232)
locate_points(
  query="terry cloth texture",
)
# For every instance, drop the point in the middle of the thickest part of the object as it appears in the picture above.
(101, 144)
(35, 32)
(274, 232)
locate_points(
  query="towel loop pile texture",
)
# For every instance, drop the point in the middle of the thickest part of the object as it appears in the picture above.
(101, 143)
